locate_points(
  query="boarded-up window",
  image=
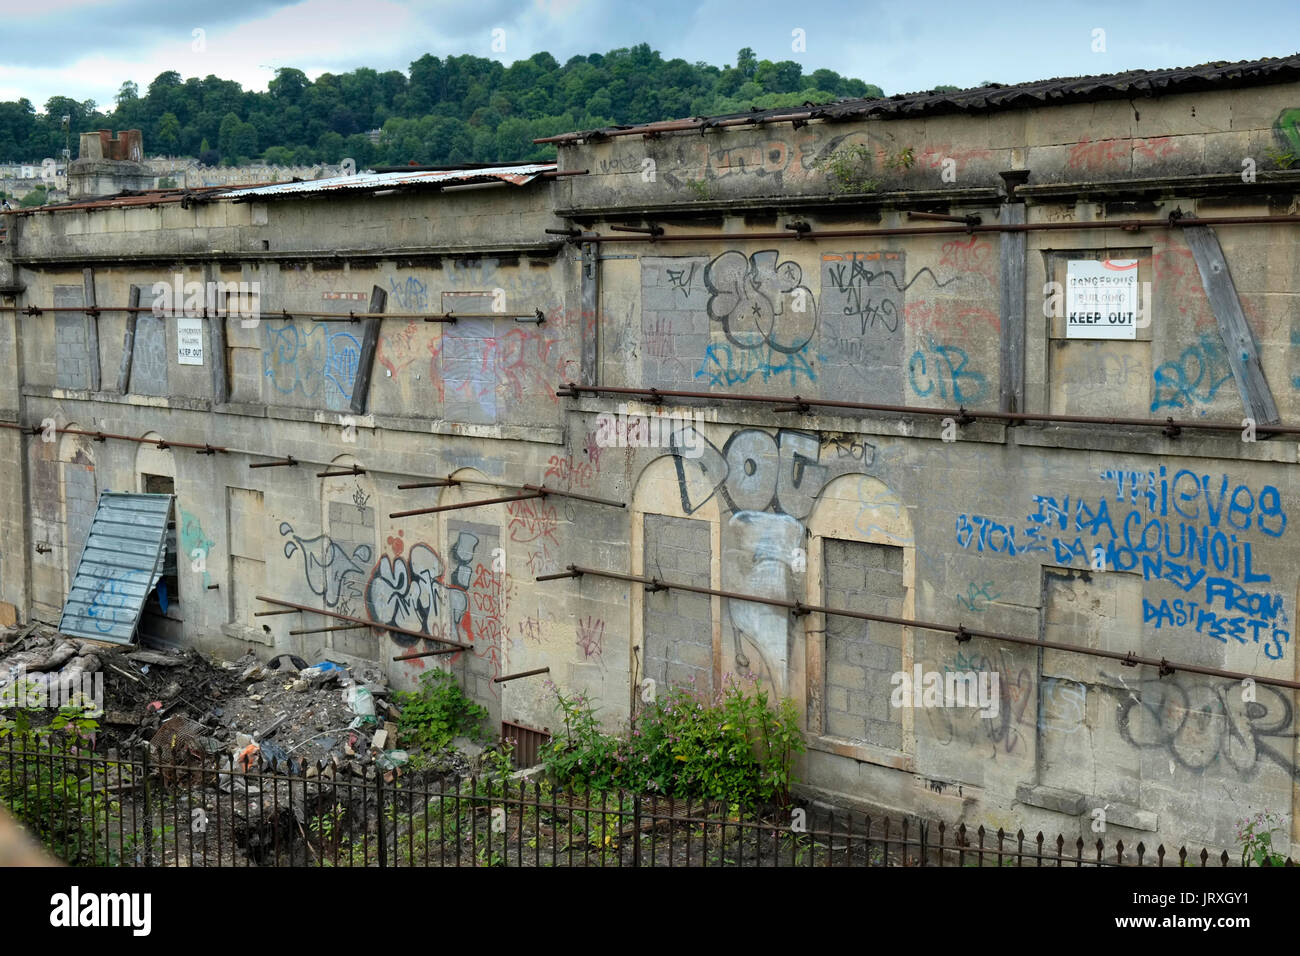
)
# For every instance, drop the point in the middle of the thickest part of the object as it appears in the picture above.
(862, 656)
(677, 635)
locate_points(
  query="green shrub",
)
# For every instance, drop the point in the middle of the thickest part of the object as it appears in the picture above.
(56, 796)
(1255, 834)
(735, 746)
(437, 712)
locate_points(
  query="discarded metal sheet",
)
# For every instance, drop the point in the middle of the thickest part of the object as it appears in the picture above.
(120, 564)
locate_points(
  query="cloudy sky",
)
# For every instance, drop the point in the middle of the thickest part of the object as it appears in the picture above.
(86, 50)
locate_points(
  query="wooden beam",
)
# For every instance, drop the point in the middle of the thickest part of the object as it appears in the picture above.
(589, 326)
(216, 337)
(1012, 269)
(369, 345)
(1243, 356)
(92, 329)
(128, 342)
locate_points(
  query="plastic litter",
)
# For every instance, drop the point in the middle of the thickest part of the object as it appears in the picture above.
(392, 759)
(361, 701)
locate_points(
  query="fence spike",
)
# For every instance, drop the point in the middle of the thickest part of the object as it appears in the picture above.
(1119, 852)
(1160, 855)
(1223, 860)
(1141, 848)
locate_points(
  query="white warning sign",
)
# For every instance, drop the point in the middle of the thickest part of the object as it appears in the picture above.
(189, 341)
(1101, 299)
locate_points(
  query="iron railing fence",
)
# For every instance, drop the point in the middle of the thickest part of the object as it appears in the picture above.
(197, 809)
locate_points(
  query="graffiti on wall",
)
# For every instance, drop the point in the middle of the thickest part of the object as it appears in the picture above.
(311, 362)
(193, 539)
(766, 313)
(113, 603)
(1200, 724)
(744, 319)
(407, 590)
(943, 372)
(408, 295)
(1193, 531)
(765, 486)
(410, 587)
(1194, 378)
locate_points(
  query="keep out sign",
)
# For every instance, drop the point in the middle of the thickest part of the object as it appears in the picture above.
(1101, 299)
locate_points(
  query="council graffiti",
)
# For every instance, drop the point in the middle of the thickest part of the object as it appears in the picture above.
(311, 361)
(1194, 378)
(943, 371)
(1205, 725)
(874, 506)
(952, 319)
(411, 587)
(473, 366)
(1193, 531)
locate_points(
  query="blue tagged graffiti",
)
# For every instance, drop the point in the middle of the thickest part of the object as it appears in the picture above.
(1195, 378)
(111, 604)
(312, 361)
(1200, 547)
(725, 366)
(411, 295)
(945, 371)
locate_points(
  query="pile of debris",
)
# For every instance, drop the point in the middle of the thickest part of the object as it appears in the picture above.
(282, 716)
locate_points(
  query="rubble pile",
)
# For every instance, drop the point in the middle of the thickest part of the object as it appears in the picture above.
(282, 716)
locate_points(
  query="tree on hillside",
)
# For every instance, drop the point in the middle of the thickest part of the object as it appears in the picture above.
(454, 109)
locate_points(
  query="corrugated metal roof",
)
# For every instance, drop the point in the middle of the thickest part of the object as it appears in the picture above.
(518, 175)
(1077, 89)
(119, 566)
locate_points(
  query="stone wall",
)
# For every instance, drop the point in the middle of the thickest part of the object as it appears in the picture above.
(1118, 538)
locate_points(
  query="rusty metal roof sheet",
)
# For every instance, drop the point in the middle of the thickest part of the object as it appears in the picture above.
(119, 566)
(517, 175)
(1129, 85)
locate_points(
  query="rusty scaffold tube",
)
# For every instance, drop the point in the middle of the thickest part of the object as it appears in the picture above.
(961, 632)
(801, 231)
(533, 673)
(961, 415)
(162, 443)
(377, 625)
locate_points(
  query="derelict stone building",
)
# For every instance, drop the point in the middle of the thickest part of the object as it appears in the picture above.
(979, 268)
